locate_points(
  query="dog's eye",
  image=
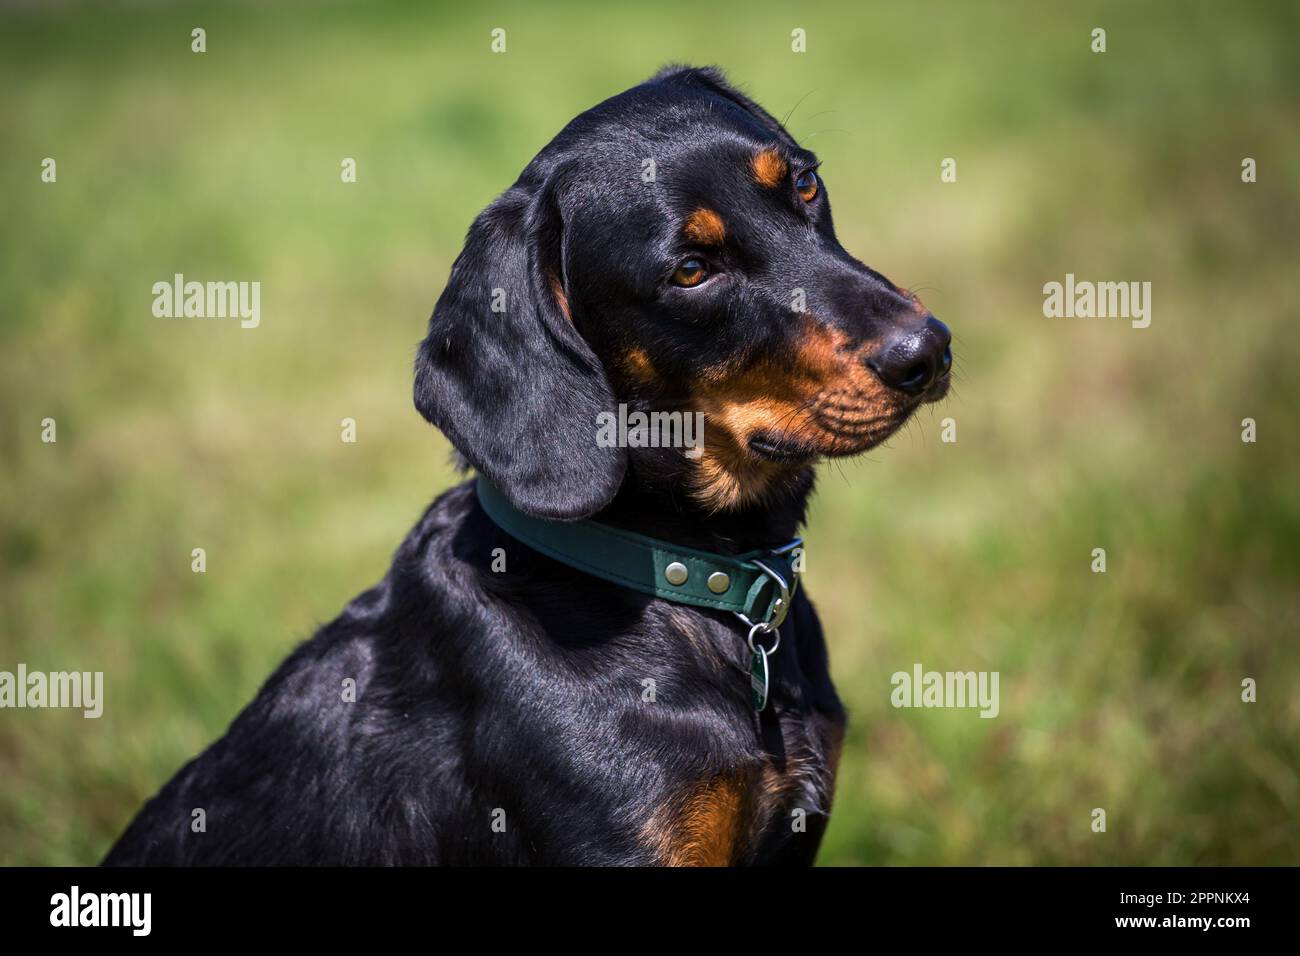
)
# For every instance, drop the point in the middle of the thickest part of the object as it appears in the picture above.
(690, 272)
(806, 185)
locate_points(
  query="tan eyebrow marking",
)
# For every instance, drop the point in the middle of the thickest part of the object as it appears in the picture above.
(769, 167)
(705, 227)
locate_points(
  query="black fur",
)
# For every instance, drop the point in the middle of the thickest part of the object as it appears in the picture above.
(479, 692)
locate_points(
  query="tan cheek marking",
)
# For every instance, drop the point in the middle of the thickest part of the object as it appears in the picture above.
(769, 168)
(727, 477)
(703, 826)
(638, 365)
(767, 395)
(705, 227)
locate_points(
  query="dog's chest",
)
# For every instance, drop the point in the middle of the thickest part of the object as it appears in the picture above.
(768, 799)
(765, 808)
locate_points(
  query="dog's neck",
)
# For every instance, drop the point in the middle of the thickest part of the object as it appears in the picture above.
(667, 512)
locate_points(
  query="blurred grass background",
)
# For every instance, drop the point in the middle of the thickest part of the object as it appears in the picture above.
(1119, 691)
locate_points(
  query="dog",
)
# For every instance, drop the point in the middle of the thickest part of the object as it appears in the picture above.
(524, 687)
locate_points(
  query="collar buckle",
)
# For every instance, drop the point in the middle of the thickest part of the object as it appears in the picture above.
(783, 581)
(773, 593)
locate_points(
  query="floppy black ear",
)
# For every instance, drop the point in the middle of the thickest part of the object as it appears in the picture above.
(507, 377)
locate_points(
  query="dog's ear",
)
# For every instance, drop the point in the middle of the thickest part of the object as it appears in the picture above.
(504, 373)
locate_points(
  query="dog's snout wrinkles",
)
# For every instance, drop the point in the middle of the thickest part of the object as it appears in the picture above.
(913, 359)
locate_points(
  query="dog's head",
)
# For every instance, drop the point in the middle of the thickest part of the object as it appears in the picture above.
(670, 250)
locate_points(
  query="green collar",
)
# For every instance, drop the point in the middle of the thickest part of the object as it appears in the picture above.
(758, 586)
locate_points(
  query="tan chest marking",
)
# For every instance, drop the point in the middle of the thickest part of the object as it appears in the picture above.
(703, 825)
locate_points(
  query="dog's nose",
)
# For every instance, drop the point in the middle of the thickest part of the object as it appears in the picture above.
(914, 359)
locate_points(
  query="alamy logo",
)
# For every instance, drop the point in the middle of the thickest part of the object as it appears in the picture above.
(1098, 300)
(74, 908)
(83, 690)
(651, 430)
(179, 299)
(923, 688)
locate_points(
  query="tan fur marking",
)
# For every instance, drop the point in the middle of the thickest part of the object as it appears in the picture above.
(705, 227)
(703, 826)
(561, 299)
(822, 394)
(638, 365)
(770, 168)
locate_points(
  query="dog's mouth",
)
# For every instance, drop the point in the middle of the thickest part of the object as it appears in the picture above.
(839, 440)
(840, 430)
(782, 450)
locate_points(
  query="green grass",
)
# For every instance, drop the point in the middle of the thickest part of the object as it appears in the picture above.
(1119, 691)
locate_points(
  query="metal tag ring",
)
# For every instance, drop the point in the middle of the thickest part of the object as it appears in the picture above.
(762, 628)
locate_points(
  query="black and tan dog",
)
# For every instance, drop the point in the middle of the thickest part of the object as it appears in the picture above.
(670, 250)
